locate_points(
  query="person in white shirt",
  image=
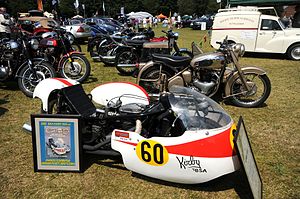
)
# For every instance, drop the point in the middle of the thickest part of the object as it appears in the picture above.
(4, 23)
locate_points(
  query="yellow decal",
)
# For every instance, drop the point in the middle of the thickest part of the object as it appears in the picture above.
(70, 60)
(152, 152)
(232, 130)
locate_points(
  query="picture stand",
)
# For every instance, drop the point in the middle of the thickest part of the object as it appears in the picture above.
(56, 141)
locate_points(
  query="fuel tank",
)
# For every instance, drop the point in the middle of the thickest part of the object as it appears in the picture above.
(214, 60)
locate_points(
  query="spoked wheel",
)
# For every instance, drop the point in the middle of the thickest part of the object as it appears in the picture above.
(260, 89)
(53, 107)
(126, 62)
(106, 48)
(79, 69)
(28, 79)
(150, 80)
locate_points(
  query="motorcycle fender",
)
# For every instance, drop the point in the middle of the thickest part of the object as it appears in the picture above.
(125, 91)
(247, 69)
(179, 159)
(25, 63)
(44, 89)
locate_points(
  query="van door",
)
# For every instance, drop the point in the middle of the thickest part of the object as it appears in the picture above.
(270, 37)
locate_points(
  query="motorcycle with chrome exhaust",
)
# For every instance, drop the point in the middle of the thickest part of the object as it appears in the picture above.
(210, 73)
(17, 61)
(180, 136)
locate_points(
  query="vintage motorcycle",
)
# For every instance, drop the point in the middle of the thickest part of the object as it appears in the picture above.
(97, 45)
(57, 49)
(16, 61)
(210, 73)
(182, 136)
(132, 54)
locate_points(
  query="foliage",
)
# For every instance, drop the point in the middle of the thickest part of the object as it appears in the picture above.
(112, 8)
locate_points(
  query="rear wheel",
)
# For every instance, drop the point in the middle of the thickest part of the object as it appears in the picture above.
(294, 52)
(126, 62)
(150, 79)
(106, 48)
(27, 80)
(260, 89)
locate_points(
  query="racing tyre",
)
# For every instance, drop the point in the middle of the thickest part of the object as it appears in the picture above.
(126, 62)
(27, 81)
(64, 109)
(150, 79)
(79, 69)
(260, 90)
(294, 52)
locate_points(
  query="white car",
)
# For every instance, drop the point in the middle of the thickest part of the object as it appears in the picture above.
(77, 30)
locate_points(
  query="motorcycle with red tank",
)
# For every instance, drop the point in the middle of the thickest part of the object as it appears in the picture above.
(57, 49)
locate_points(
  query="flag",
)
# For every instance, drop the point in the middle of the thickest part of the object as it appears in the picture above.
(103, 6)
(76, 4)
(40, 5)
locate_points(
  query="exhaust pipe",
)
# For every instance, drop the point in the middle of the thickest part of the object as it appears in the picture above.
(127, 65)
(107, 57)
(27, 127)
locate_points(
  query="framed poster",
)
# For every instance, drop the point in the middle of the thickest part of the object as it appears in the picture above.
(56, 141)
(247, 158)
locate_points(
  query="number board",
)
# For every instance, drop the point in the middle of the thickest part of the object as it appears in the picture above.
(248, 160)
(152, 153)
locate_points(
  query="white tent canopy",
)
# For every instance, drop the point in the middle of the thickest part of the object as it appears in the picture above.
(139, 15)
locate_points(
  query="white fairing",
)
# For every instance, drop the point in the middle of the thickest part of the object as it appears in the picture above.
(126, 92)
(195, 157)
(45, 87)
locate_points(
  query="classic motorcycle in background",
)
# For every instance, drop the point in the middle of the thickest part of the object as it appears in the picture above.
(17, 61)
(181, 126)
(57, 49)
(210, 73)
(131, 54)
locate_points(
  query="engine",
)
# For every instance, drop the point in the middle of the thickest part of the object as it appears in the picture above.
(7, 57)
(206, 81)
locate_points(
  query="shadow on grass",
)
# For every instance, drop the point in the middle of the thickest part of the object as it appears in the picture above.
(266, 55)
(91, 79)
(10, 85)
(3, 101)
(108, 161)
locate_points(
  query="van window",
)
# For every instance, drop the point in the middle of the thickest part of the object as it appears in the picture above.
(267, 24)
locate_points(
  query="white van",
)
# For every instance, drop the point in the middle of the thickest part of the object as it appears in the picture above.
(257, 31)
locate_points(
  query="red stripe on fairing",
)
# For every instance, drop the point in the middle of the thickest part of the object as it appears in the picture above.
(217, 146)
(64, 81)
(138, 86)
(235, 28)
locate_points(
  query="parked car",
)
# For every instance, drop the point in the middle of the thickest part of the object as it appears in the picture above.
(45, 24)
(196, 24)
(76, 30)
(103, 24)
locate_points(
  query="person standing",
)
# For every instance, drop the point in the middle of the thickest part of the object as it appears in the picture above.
(4, 23)
(296, 17)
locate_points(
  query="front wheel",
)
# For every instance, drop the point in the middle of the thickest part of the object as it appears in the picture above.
(260, 89)
(27, 80)
(77, 67)
(126, 62)
(150, 79)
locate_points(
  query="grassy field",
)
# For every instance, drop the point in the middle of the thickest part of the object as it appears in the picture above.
(273, 130)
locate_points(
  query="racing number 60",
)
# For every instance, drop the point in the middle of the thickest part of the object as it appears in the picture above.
(152, 152)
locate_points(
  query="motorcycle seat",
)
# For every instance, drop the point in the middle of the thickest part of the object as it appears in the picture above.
(175, 61)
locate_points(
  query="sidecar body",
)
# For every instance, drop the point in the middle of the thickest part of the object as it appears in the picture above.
(203, 152)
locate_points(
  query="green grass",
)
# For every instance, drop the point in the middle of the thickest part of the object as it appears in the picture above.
(273, 131)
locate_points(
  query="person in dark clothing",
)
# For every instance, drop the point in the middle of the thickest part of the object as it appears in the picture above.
(296, 17)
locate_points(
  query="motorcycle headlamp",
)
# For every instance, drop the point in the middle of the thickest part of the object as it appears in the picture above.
(34, 44)
(239, 49)
(176, 35)
(12, 45)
